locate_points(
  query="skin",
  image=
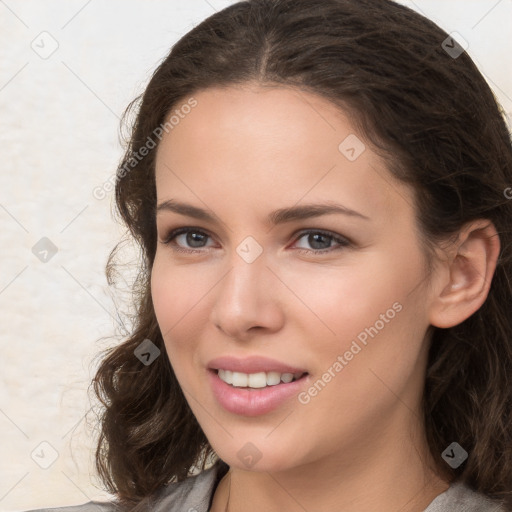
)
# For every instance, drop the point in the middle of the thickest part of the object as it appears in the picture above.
(359, 444)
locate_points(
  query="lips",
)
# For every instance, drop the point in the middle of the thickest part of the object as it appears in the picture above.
(254, 402)
(253, 364)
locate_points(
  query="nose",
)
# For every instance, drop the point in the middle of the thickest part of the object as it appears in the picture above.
(247, 300)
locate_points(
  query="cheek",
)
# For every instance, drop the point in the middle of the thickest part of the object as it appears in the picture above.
(378, 326)
(176, 292)
(364, 310)
(342, 300)
(181, 297)
(164, 291)
(175, 296)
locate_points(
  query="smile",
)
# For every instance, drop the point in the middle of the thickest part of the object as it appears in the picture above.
(256, 380)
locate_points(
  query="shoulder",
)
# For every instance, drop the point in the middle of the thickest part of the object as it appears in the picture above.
(461, 498)
(91, 506)
(192, 494)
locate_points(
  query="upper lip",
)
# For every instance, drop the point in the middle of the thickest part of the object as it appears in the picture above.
(252, 364)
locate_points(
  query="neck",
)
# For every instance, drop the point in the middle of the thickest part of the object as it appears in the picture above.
(378, 476)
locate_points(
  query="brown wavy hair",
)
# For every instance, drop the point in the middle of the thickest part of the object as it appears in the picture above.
(433, 118)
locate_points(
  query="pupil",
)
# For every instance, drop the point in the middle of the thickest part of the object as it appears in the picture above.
(193, 238)
(313, 240)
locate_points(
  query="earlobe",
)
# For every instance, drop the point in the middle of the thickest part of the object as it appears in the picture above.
(467, 274)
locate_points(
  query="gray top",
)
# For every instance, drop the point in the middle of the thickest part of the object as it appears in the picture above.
(195, 494)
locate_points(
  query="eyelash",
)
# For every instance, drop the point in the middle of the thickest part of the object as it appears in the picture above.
(343, 242)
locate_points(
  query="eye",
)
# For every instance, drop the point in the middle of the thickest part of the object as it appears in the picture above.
(194, 237)
(320, 241)
(194, 240)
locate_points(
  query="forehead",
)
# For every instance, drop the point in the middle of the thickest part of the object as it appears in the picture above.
(272, 144)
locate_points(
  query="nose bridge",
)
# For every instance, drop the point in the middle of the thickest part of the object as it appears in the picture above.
(246, 296)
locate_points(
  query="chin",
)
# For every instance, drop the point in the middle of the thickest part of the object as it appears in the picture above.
(263, 459)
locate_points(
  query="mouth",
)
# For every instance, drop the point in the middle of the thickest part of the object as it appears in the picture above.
(256, 393)
(257, 380)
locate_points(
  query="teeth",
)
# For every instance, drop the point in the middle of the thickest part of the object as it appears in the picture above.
(273, 378)
(240, 380)
(256, 380)
(229, 376)
(287, 377)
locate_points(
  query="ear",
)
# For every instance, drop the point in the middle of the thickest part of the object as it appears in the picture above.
(464, 278)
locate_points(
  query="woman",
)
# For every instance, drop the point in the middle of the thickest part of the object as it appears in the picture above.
(319, 193)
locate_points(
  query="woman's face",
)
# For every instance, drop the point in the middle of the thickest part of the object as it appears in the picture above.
(337, 293)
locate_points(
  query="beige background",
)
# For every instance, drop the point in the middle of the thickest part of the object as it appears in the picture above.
(59, 140)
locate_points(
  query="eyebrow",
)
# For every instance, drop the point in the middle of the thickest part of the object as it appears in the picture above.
(279, 216)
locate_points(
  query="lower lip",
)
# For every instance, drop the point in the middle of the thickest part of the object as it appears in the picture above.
(253, 402)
